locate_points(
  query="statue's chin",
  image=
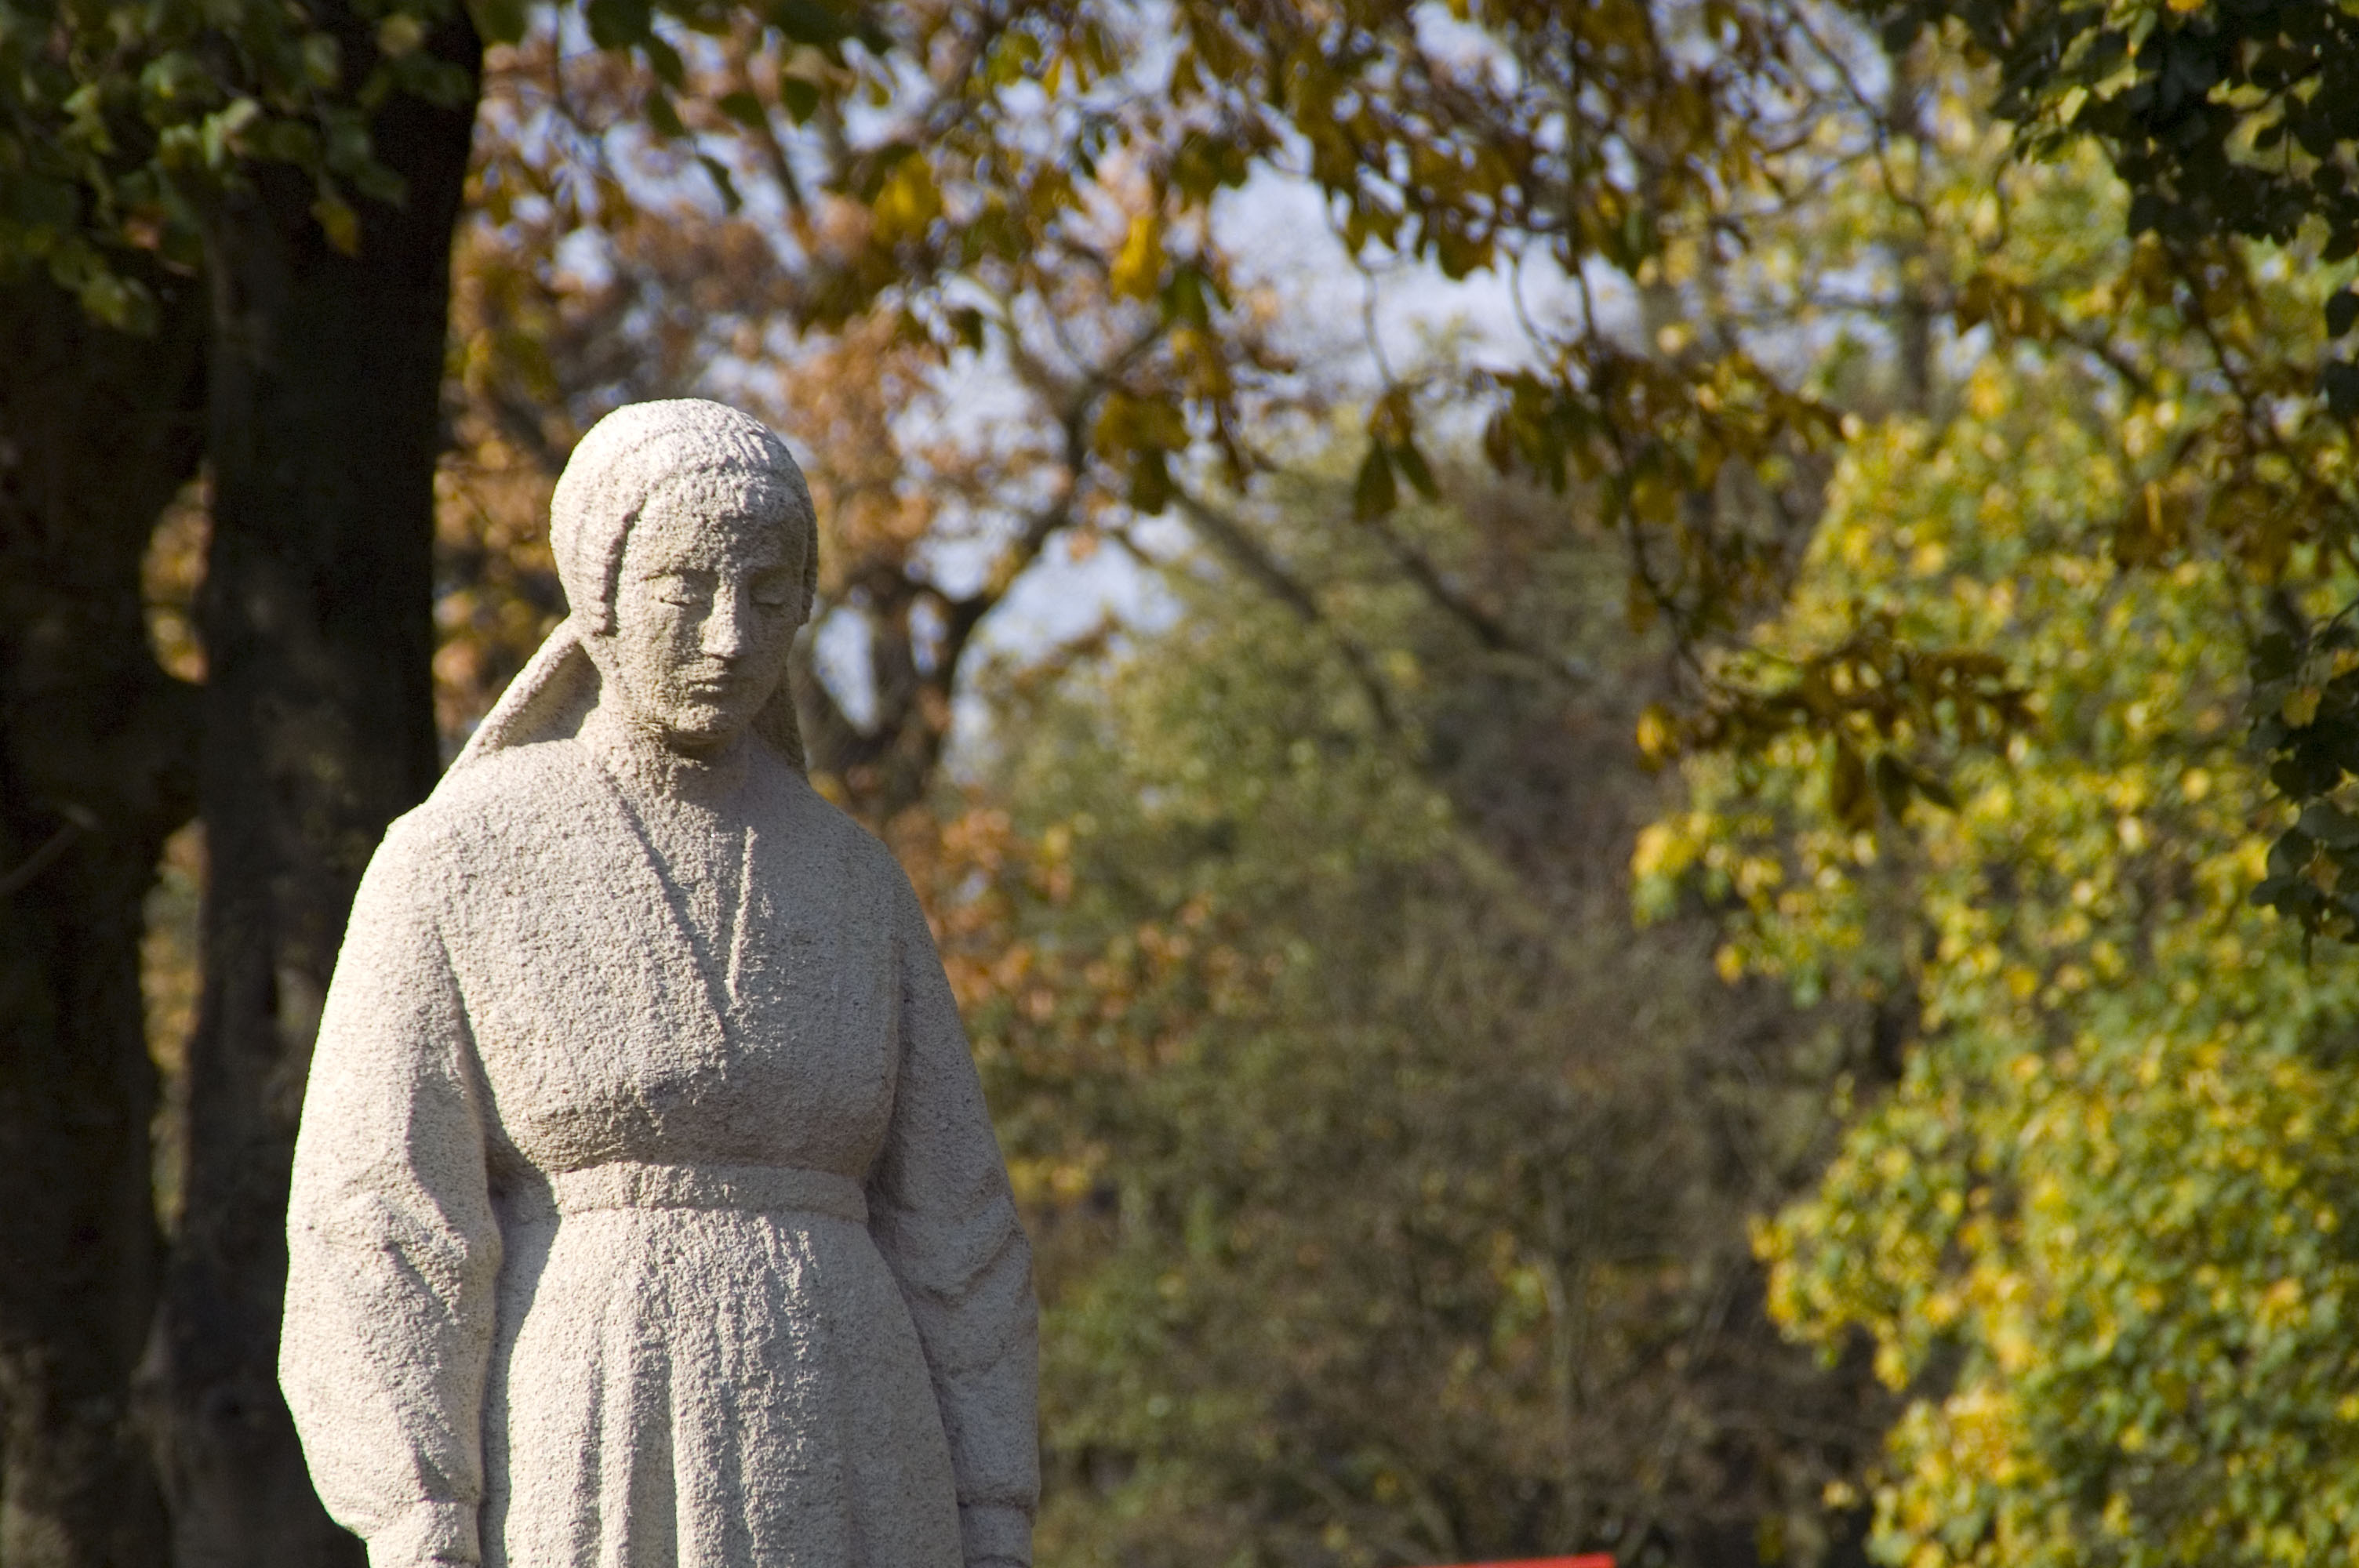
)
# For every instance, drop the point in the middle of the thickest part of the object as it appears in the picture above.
(691, 722)
(696, 737)
(691, 730)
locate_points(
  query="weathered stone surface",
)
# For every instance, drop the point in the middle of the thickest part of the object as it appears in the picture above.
(645, 1209)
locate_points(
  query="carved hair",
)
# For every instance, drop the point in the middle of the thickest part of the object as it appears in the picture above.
(705, 454)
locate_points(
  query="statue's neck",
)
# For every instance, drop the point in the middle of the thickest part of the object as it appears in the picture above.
(642, 760)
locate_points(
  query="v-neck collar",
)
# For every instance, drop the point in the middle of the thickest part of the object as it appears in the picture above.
(715, 973)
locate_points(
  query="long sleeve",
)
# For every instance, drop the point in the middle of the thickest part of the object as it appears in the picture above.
(943, 1217)
(393, 1247)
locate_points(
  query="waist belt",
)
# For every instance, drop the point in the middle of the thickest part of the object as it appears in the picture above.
(640, 1183)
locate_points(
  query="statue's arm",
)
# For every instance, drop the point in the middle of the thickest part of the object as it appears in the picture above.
(945, 1220)
(392, 1245)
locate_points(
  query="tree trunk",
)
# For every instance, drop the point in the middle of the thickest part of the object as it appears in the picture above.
(316, 622)
(98, 746)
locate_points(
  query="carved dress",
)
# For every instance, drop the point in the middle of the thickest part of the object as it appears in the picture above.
(646, 1210)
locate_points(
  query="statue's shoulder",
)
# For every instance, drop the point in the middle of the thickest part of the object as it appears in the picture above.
(838, 836)
(515, 799)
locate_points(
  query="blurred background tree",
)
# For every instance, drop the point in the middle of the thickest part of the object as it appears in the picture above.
(252, 206)
(1391, 1191)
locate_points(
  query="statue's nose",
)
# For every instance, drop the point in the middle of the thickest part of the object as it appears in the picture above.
(725, 628)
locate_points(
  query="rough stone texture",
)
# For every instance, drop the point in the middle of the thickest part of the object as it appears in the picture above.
(645, 1209)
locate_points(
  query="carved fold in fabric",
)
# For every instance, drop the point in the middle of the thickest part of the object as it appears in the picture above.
(579, 1272)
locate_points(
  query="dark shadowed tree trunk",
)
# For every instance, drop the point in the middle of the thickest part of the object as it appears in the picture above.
(98, 756)
(326, 371)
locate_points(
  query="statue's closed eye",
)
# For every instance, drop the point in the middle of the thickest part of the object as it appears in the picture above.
(679, 589)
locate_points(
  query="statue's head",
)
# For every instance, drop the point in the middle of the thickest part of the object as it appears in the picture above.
(686, 545)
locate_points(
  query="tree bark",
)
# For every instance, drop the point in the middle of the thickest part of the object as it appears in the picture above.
(98, 431)
(316, 614)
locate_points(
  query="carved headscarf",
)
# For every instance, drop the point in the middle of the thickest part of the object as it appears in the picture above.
(687, 451)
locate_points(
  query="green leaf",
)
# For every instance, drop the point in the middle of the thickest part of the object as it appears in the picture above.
(809, 22)
(1150, 479)
(2330, 825)
(1413, 468)
(742, 107)
(379, 183)
(718, 172)
(339, 221)
(400, 34)
(323, 60)
(619, 24)
(2291, 853)
(2342, 311)
(665, 59)
(1182, 296)
(798, 97)
(1374, 494)
(288, 141)
(662, 117)
(1893, 785)
(1848, 800)
(498, 21)
(2341, 383)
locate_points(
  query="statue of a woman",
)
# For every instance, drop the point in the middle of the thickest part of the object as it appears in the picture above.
(646, 1210)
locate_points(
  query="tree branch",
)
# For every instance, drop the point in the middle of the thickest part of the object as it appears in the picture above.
(1231, 537)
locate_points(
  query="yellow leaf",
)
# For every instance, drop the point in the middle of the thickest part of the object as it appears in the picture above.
(1659, 852)
(1140, 265)
(908, 201)
(400, 34)
(342, 227)
(1657, 736)
(1986, 393)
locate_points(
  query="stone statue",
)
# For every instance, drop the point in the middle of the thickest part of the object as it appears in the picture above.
(646, 1210)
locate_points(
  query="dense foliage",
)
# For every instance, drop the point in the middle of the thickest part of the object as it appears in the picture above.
(124, 127)
(2099, 1230)
(1036, 184)
(2228, 122)
(2236, 119)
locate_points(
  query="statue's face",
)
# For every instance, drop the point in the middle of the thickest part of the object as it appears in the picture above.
(706, 607)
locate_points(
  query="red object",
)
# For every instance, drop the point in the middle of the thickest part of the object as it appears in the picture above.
(1588, 1559)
